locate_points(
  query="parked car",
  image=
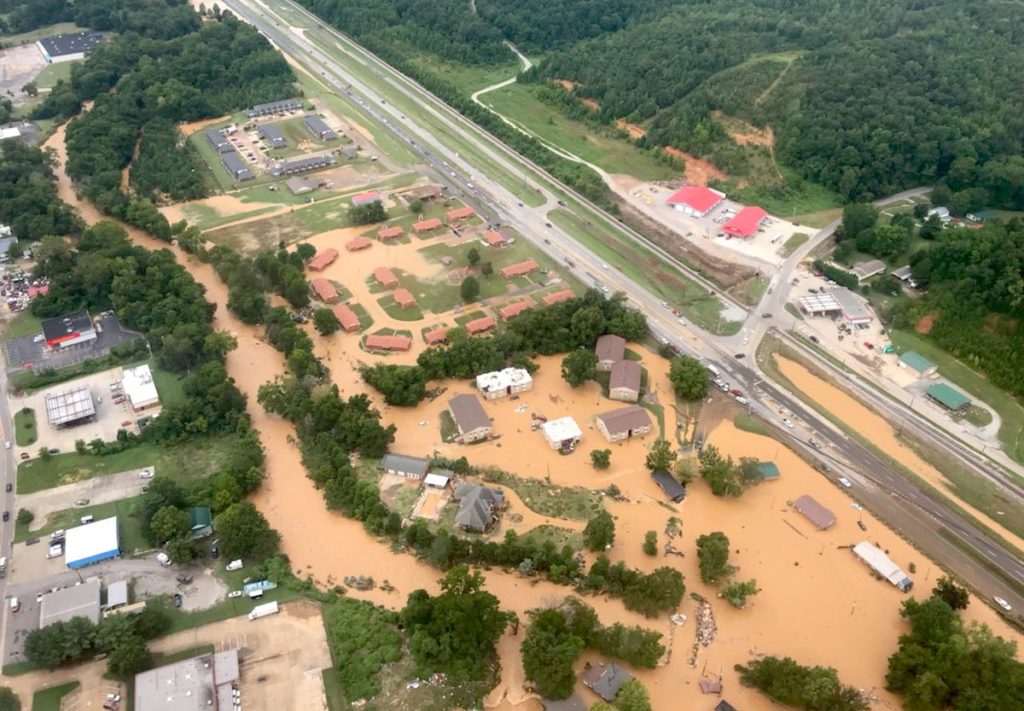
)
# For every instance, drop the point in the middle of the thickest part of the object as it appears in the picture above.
(9, 487)
(82, 502)
(7, 515)
(146, 473)
(235, 593)
(845, 482)
(31, 541)
(177, 600)
(24, 455)
(234, 565)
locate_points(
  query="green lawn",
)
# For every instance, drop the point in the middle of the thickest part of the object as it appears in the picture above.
(572, 503)
(1009, 408)
(206, 218)
(755, 289)
(129, 525)
(49, 699)
(224, 610)
(794, 243)
(519, 103)
(52, 73)
(24, 324)
(749, 423)
(559, 536)
(399, 313)
(464, 77)
(187, 462)
(25, 432)
(818, 219)
(405, 497)
(796, 196)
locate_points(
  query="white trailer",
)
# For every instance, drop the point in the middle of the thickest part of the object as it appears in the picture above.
(259, 611)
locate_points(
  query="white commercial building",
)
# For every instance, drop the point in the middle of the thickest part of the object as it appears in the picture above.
(562, 433)
(139, 387)
(878, 561)
(91, 543)
(499, 383)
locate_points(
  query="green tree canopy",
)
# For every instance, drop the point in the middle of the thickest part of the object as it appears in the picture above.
(244, 533)
(579, 366)
(713, 554)
(689, 378)
(599, 532)
(661, 457)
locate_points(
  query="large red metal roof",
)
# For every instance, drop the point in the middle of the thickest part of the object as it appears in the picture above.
(698, 197)
(746, 222)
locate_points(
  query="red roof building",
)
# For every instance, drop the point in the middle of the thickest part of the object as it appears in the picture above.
(480, 325)
(346, 317)
(322, 260)
(559, 296)
(385, 277)
(494, 239)
(388, 343)
(426, 225)
(389, 232)
(367, 198)
(435, 336)
(512, 310)
(519, 269)
(354, 245)
(324, 290)
(403, 298)
(746, 222)
(695, 200)
(460, 213)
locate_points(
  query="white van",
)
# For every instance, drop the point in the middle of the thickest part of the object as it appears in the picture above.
(89, 518)
(15, 605)
(714, 370)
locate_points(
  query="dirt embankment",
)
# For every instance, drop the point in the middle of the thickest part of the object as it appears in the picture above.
(635, 132)
(698, 170)
(728, 275)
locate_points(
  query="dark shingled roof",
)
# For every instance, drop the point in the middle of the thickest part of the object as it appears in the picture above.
(477, 505)
(815, 512)
(468, 413)
(625, 374)
(625, 419)
(605, 681)
(670, 485)
(610, 347)
(405, 464)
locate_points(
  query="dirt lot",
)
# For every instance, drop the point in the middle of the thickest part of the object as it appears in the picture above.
(18, 66)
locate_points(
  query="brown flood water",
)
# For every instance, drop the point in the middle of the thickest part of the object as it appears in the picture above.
(818, 604)
(876, 429)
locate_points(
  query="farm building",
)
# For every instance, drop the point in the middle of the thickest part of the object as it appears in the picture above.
(70, 407)
(947, 397)
(460, 213)
(324, 290)
(385, 277)
(470, 419)
(436, 335)
(624, 381)
(301, 165)
(916, 362)
(558, 297)
(366, 198)
(91, 543)
(479, 506)
(605, 680)
(404, 298)
(235, 166)
(520, 269)
(140, 388)
(562, 433)
(878, 561)
(300, 185)
(695, 200)
(72, 330)
(82, 600)
(323, 259)
(273, 135)
(512, 310)
(480, 325)
(357, 243)
(274, 107)
(670, 486)
(388, 343)
(623, 423)
(208, 681)
(610, 349)
(317, 126)
(499, 383)
(402, 465)
(426, 225)
(868, 269)
(218, 140)
(495, 239)
(346, 317)
(68, 47)
(389, 232)
(769, 471)
(815, 512)
(745, 223)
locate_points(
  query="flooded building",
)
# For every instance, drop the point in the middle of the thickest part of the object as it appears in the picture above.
(348, 318)
(623, 423)
(470, 419)
(323, 259)
(605, 680)
(610, 349)
(878, 561)
(500, 383)
(358, 243)
(324, 290)
(624, 381)
(380, 342)
(562, 434)
(389, 232)
(815, 512)
(479, 506)
(670, 486)
(404, 298)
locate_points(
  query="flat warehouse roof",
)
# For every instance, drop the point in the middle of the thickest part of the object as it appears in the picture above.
(61, 45)
(55, 328)
(853, 308)
(69, 405)
(75, 601)
(139, 386)
(93, 541)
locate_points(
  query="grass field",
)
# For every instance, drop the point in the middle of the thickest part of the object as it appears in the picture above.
(1009, 408)
(797, 197)
(519, 103)
(129, 524)
(188, 462)
(31, 36)
(818, 219)
(24, 324)
(25, 432)
(465, 78)
(794, 243)
(749, 423)
(52, 73)
(49, 699)
(575, 503)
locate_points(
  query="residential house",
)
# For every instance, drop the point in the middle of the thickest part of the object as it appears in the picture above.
(479, 506)
(605, 680)
(624, 382)
(403, 465)
(610, 349)
(623, 423)
(470, 419)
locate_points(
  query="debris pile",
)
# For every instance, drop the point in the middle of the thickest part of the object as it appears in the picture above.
(705, 629)
(360, 582)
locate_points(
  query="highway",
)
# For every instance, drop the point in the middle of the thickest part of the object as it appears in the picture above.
(430, 133)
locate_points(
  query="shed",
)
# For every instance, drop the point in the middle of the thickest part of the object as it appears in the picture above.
(918, 363)
(674, 491)
(815, 512)
(439, 479)
(403, 465)
(947, 397)
(610, 349)
(91, 543)
(81, 600)
(769, 471)
(605, 680)
(903, 273)
(117, 594)
(200, 521)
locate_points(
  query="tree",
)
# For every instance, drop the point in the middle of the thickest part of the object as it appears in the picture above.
(931, 228)
(473, 256)
(415, 206)
(325, 322)
(858, 218)
(31, 89)
(713, 555)
(736, 593)
(469, 289)
(689, 378)
(549, 651)
(811, 688)
(244, 533)
(367, 214)
(25, 517)
(579, 366)
(601, 458)
(651, 543)
(169, 523)
(684, 471)
(401, 385)
(128, 658)
(44, 453)
(599, 532)
(487, 268)
(633, 697)
(952, 593)
(661, 457)
(9, 701)
(719, 472)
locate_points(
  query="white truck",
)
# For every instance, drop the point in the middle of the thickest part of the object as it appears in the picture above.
(269, 608)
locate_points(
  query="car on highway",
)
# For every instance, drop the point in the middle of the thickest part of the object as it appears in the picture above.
(1002, 603)
(788, 424)
(740, 356)
(845, 482)
(7, 515)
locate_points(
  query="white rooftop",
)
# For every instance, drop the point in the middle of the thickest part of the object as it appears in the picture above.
(139, 386)
(438, 480)
(90, 540)
(69, 405)
(503, 379)
(117, 594)
(880, 562)
(819, 303)
(562, 429)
